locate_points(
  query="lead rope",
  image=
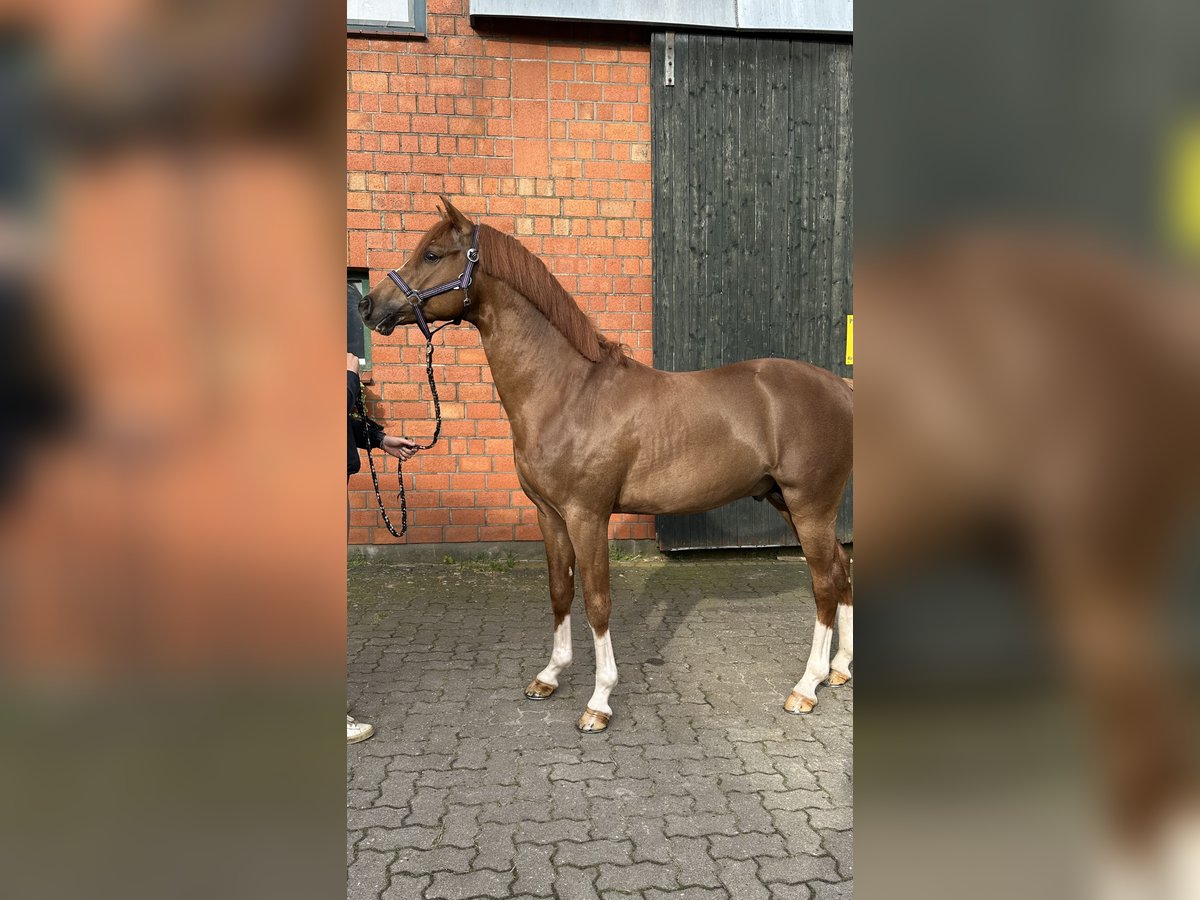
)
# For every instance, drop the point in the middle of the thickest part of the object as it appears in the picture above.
(437, 430)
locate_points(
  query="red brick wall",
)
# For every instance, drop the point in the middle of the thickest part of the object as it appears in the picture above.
(546, 138)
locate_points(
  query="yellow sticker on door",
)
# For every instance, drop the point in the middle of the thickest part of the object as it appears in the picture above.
(849, 340)
(1182, 200)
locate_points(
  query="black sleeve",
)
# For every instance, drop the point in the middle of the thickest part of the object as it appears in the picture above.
(366, 431)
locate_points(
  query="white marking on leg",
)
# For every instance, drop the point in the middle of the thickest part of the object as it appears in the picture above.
(1168, 868)
(845, 635)
(818, 662)
(606, 674)
(560, 656)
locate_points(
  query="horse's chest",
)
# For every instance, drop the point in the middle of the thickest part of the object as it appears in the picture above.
(547, 469)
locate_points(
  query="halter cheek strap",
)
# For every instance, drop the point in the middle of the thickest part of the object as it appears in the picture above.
(462, 282)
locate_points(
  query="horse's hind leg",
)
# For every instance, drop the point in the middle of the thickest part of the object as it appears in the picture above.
(829, 568)
(560, 560)
(840, 667)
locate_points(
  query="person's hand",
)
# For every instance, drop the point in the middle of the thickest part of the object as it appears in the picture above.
(352, 363)
(401, 448)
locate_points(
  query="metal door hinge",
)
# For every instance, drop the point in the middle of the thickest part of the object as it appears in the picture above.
(669, 60)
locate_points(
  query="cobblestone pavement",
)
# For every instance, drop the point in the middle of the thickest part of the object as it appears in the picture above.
(702, 787)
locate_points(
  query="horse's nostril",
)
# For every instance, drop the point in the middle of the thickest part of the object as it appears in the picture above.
(364, 305)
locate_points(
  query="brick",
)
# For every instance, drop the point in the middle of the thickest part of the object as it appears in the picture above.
(580, 90)
(529, 50)
(601, 54)
(430, 124)
(529, 118)
(619, 131)
(531, 158)
(529, 80)
(368, 82)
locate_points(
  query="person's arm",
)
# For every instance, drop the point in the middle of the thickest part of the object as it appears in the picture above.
(367, 432)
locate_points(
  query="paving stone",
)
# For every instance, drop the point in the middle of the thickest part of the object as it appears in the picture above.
(792, 891)
(575, 884)
(838, 819)
(482, 883)
(740, 878)
(448, 859)
(514, 813)
(797, 869)
(592, 853)
(535, 874)
(840, 845)
(460, 826)
(496, 847)
(406, 887)
(747, 846)
(427, 807)
(843, 890)
(367, 774)
(553, 832)
(701, 824)
(367, 874)
(694, 893)
(398, 839)
(693, 862)
(361, 799)
(702, 788)
(580, 771)
(649, 841)
(800, 836)
(382, 816)
(749, 813)
(636, 878)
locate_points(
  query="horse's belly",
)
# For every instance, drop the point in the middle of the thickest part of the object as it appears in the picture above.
(679, 490)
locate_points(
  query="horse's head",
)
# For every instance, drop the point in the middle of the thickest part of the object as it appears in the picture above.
(440, 259)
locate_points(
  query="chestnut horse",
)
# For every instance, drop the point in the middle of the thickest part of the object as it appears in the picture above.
(596, 432)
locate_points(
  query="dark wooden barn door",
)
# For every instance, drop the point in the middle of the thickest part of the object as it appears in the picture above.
(752, 224)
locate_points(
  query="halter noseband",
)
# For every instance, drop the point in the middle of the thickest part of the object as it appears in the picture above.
(462, 282)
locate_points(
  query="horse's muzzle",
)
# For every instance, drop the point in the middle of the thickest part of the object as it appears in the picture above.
(386, 323)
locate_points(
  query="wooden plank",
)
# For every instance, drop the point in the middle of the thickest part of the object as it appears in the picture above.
(752, 228)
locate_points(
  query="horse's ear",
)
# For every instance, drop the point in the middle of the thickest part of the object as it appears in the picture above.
(456, 218)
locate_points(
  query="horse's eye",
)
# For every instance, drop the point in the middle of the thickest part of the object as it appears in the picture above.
(430, 256)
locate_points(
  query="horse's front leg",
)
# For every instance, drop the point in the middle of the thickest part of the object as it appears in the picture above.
(589, 535)
(560, 560)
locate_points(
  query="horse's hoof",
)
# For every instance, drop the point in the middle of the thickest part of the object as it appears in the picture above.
(836, 678)
(539, 690)
(797, 704)
(592, 722)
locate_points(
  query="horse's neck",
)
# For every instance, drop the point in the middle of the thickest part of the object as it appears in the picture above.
(533, 365)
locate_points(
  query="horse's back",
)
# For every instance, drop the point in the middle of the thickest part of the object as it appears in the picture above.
(798, 414)
(793, 392)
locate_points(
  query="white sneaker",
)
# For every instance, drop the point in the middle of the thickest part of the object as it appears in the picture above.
(357, 731)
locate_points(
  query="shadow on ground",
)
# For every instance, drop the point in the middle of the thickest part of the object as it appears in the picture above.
(701, 787)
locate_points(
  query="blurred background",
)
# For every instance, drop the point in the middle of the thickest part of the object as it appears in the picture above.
(1027, 223)
(172, 527)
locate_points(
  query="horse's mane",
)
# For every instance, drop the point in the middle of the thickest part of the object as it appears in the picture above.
(506, 258)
